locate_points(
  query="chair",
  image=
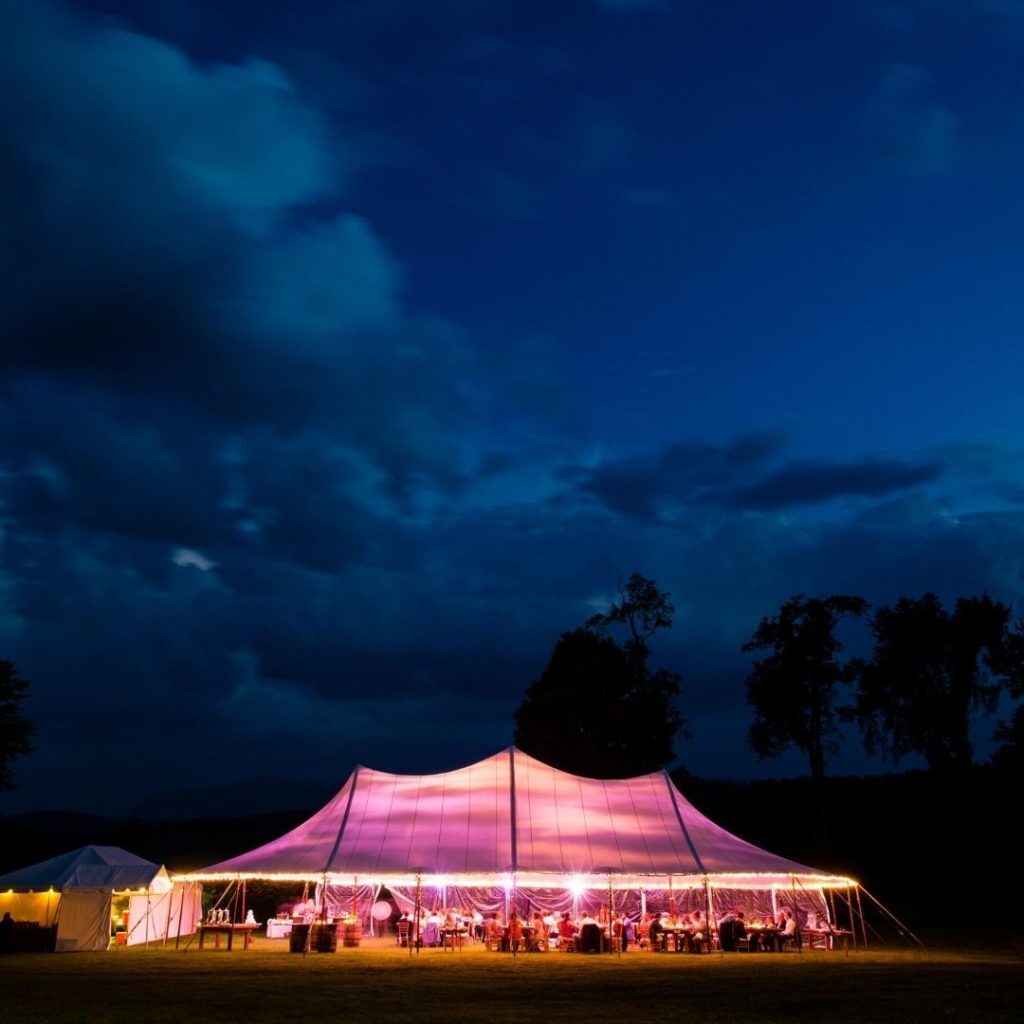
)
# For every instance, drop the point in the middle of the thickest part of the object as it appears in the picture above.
(791, 943)
(403, 933)
(590, 939)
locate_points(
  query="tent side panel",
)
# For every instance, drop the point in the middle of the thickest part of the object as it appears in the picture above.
(163, 910)
(84, 921)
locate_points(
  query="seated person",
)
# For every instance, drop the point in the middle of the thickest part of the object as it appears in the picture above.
(566, 929)
(494, 932)
(790, 931)
(654, 931)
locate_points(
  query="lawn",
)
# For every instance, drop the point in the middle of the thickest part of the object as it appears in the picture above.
(378, 982)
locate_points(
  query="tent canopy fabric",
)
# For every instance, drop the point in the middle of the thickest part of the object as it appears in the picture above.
(89, 867)
(513, 820)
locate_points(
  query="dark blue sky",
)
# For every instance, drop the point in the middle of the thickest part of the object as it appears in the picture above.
(351, 352)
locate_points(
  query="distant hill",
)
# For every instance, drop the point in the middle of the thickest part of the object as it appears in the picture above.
(234, 799)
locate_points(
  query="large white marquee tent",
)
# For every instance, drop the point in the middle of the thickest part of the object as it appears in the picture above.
(512, 822)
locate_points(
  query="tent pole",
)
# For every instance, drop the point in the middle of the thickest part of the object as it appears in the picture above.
(181, 913)
(860, 912)
(170, 910)
(373, 921)
(775, 905)
(796, 917)
(220, 900)
(244, 883)
(416, 930)
(146, 935)
(708, 911)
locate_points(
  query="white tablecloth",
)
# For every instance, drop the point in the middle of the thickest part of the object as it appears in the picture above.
(278, 929)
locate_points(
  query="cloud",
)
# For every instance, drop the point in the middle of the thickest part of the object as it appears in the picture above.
(745, 474)
(688, 471)
(187, 558)
(808, 483)
(917, 134)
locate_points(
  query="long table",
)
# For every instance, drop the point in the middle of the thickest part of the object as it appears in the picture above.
(217, 930)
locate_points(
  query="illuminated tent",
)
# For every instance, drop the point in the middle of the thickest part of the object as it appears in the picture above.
(82, 892)
(511, 821)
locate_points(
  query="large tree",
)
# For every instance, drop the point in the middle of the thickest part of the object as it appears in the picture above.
(794, 690)
(598, 709)
(1009, 757)
(16, 730)
(930, 672)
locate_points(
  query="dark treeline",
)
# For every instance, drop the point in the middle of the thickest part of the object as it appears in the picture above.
(925, 678)
(921, 840)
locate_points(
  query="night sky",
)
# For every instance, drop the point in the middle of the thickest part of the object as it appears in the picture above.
(353, 351)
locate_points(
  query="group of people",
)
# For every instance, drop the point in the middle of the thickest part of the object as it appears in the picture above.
(429, 929)
(765, 934)
(660, 932)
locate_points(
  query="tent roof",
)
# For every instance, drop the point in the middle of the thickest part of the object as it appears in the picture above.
(509, 817)
(89, 867)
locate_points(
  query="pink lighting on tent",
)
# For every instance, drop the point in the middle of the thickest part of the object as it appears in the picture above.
(511, 820)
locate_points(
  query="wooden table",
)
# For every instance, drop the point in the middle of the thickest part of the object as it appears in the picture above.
(830, 938)
(453, 938)
(217, 930)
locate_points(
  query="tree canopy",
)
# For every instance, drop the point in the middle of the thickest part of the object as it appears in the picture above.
(931, 670)
(597, 709)
(16, 730)
(793, 691)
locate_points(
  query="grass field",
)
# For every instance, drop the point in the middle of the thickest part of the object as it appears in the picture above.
(378, 982)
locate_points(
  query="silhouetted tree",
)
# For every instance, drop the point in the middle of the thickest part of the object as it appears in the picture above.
(16, 730)
(598, 709)
(930, 672)
(1009, 757)
(643, 608)
(794, 690)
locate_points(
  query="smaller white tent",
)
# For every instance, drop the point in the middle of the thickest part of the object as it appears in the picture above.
(76, 891)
